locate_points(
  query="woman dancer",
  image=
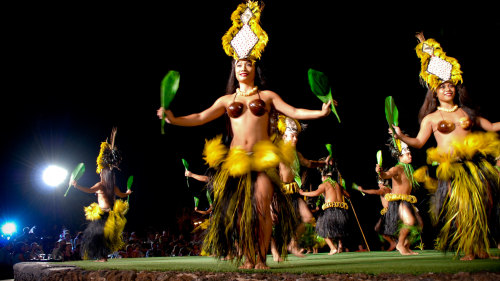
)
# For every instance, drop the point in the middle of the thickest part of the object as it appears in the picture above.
(468, 186)
(243, 185)
(103, 234)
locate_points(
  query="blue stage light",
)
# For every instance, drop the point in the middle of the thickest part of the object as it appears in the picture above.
(9, 228)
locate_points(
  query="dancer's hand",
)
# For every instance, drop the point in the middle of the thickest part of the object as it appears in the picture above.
(397, 130)
(128, 192)
(188, 173)
(378, 169)
(325, 109)
(73, 183)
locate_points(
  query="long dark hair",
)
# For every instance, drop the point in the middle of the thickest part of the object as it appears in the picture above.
(462, 98)
(108, 180)
(233, 84)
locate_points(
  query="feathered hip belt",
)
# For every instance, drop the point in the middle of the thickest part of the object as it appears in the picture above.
(265, 155)
(342, 205)
(401, 197)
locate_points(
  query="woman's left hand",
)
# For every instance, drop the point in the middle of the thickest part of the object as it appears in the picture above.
(326, 108)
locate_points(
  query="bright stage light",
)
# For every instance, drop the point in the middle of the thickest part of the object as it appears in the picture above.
(8, 228)
(54, 175)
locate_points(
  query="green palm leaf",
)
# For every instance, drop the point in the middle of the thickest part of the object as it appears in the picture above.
(356, 187)
(329, 148)
(391, 112)
(76, 175)
(169, 86)
(379, 158)
(320, 87)
(129, 185)
(186, 166)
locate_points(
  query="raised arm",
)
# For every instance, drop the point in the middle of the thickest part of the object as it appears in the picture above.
(298, 113)
(311, 163)
(422, 137)
(386, 174)
(121, 194)
(317, 192)
(487, 125)
(195, 119)
(196, 176)
(92, 189)
(379, 191)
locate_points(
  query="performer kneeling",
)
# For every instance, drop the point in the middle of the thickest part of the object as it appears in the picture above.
(332, 222)
(103, 234)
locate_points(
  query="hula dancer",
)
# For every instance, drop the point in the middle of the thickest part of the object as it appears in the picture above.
(289, 130)
(401, 215)
(332, 222)
(103, 234)
(246, 177)
(466, 194)
(382, 190)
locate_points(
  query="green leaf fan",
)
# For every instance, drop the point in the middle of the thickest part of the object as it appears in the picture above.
(391, 112)
(329, 148)
(75, 175)
(356, 187)
(379, 158)
(186, 166)
(129, 185)
(321, 88)
(392, 116)
(169, 86)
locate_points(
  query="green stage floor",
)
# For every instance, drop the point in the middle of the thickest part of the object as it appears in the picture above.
(375, 262)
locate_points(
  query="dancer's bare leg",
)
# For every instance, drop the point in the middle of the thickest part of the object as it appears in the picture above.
(333, 249)
(403, 244)
(263, 196)
(274, 251)
(392, 243)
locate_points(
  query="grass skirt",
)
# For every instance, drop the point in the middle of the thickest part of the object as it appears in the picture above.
(103, 234)
(466, 193)
(234, 223)
(393, 221)
(332, 223)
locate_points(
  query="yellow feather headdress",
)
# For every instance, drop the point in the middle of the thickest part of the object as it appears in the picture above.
(287, 123)
(245, 39)
(436, 66)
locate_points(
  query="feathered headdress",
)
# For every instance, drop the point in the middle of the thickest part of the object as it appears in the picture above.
(436, 67)
(286, 123)
(109, 156)
(245, 39)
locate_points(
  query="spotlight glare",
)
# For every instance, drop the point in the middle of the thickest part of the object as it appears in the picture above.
(54, 175)
(9, 228)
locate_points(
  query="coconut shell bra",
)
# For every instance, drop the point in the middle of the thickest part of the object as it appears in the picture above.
(257, 107)
(446, 126)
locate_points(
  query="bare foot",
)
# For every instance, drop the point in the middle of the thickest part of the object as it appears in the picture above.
(403, 251)
(247, 265)
(484, 255)
(332, 252)
(467, 258)
(277, 258)
(296, 252)
(261, 265)
(392, 246)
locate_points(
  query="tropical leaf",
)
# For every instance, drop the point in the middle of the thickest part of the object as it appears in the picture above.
(185, 163)
(75, 175)
(320, 87)
(196, 201)
(129, 182)
(329, 148)
(209, 198)
(169, 87)
(391, 112)
(379, 158)
(356, 187)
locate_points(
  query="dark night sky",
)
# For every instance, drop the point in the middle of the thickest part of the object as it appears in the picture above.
(70, 76)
